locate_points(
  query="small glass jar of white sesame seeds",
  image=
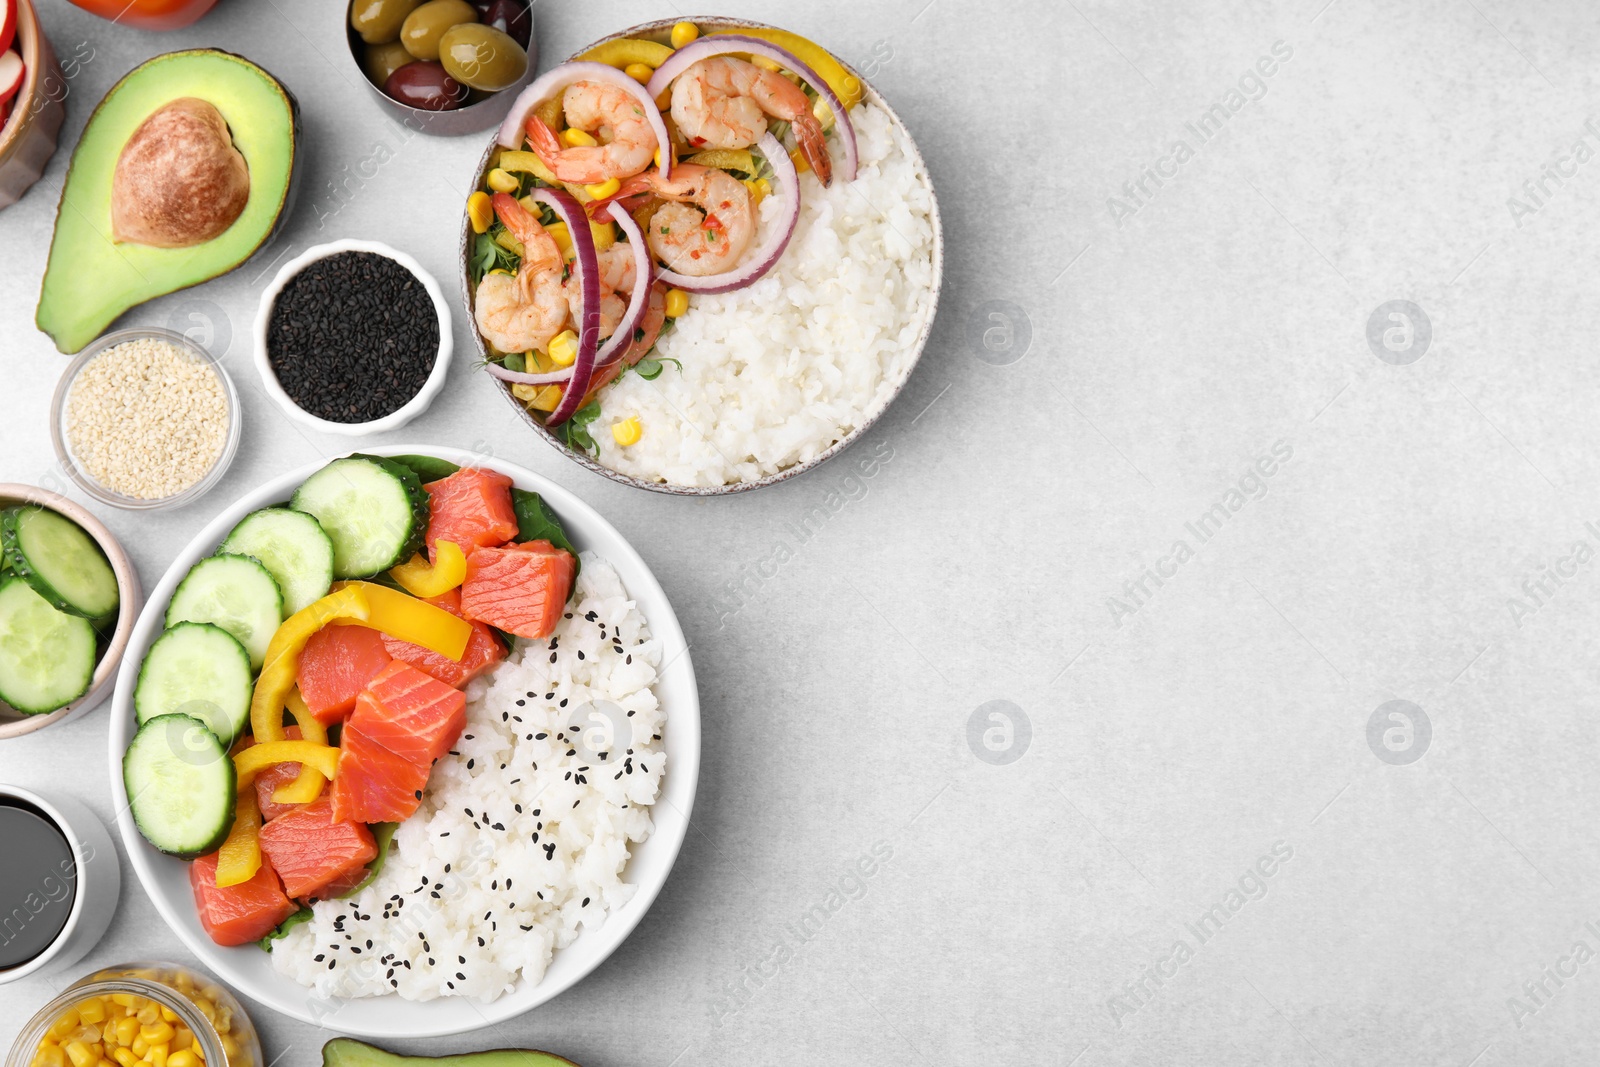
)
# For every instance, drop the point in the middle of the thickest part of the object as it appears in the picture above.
(145, 419)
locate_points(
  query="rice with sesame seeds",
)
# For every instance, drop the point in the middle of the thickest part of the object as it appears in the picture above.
(549, 806)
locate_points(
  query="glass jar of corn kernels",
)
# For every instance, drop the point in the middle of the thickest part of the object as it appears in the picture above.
(139, 1015)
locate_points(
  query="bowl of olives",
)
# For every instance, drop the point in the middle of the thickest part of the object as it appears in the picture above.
(444, 66)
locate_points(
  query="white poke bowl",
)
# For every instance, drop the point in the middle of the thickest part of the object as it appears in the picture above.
(248, 969)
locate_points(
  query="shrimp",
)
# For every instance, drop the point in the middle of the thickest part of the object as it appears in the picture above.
(520, 312)
(722, 102)
(655, 317)
(617, 274)
(707, 222)
(627, 143)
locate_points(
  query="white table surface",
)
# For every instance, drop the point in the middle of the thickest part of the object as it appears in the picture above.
(1176, 734)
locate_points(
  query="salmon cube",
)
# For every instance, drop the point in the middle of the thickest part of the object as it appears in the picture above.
(410, 713)
(311, 849)
(238, 914)
(484, 649)
(521, 589)
(472, 507)
(336, 665)
(373, 784)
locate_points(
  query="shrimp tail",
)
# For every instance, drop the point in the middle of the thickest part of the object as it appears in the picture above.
(543, 140)
(814, 144)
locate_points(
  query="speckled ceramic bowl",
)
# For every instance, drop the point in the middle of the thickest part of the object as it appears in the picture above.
(661, 30)
(15, 724)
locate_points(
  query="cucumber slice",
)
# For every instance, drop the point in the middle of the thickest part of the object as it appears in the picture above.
(375, 510)
(60, 561)
(293, 548)
(234, 592)
(199, 670)
(181, 785)
(46, 656)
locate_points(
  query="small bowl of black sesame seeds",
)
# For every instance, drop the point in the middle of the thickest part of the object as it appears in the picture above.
(353, 338)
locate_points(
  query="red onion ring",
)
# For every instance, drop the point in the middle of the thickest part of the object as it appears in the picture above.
(643, 275)
(588, 271)
(760, 260)
(726, 43)
(554, 81)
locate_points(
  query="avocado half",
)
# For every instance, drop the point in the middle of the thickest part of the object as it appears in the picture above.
(91, 279)
(348, 1052)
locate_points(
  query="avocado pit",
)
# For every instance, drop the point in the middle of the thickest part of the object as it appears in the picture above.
(179, 180)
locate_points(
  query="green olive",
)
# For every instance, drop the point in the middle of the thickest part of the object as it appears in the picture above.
(482, 57)
(382, 60)
(379, 21)
(424, 26)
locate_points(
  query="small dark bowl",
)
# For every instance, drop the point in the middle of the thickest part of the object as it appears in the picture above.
(474, 118)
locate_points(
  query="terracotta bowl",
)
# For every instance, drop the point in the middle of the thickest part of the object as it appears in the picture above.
(14, 724)
(29, 138)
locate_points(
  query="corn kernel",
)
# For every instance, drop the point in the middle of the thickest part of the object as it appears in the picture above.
(182, 1058)
(124, 1057)
(765, 64)
(80, 1054)
(639, 72)
(128, 1000)
(573, 137)
(150, 1014)
(627, 431)
(49, 1055)
(92, 1011)
(480, 212)
(183, 1040)
(139, 1045)
(677, 303)
(86, 1033)
(603, 189)
(683, 33)
(127, 1030)
(563, 348)
(502, 181)
(658, 156)
(157, 1056)
(230, 1047)
(161, 1031)
(799, 159)
(199, 1051)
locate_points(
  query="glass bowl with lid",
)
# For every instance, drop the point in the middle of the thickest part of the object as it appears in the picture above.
(195, 417)
(139, 1015)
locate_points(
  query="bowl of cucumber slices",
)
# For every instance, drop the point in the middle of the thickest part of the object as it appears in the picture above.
(68, 599)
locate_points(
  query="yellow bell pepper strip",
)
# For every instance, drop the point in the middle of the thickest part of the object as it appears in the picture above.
(532, 164)
(846, 86)
(308, 786)
(727, 159)
(240, 856)
(626, 50)
(282, 661)
(405, 618)
(421, 579)
(257, 758)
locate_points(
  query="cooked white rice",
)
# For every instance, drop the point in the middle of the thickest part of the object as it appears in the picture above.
(477, 892)
(777, 373)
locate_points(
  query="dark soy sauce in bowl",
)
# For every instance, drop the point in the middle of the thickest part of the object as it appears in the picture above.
(38, 883)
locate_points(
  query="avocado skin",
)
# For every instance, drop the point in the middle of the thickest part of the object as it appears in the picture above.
(348, 1052)
(72, 335)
